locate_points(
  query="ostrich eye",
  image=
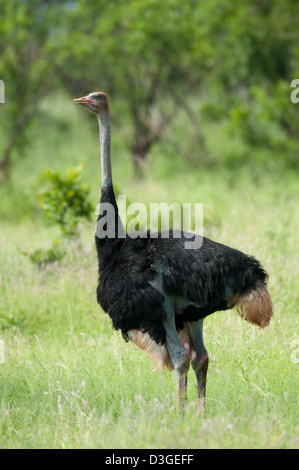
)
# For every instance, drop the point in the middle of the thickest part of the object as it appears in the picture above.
(97, 97)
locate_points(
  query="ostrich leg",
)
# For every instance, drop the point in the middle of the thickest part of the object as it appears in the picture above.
(200, 362)
(178, 355)
(180, 359)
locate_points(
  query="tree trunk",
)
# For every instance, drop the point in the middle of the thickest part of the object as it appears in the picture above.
(143, 139)
(5, 166)
(140, 154)
(5, 163)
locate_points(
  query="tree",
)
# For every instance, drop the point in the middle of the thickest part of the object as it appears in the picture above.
(29, 62)
(140, 51)
(154, 55)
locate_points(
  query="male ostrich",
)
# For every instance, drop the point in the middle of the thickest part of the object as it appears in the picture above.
(157, 292)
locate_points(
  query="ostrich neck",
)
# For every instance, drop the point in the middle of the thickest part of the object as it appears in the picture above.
(115, 228)
(104, 123)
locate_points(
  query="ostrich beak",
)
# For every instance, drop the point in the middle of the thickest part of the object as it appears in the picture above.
(83, 100)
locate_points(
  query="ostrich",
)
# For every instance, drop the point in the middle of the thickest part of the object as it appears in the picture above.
(157, 292)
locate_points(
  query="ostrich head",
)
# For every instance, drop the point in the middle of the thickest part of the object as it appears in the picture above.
(95, 102)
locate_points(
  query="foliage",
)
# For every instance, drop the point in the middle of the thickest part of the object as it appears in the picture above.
(143, 58)
(267, 123)
(155, 59)
(42, 257)
(64, 199)
(29, 62)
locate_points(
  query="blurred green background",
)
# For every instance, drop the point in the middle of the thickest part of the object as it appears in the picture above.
(201, 111)
(207, 83)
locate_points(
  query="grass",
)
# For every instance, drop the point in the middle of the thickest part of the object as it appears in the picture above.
(70, 381)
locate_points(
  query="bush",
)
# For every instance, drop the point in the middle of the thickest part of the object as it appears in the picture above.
(41, 257)
(267, 122)
(64, 199)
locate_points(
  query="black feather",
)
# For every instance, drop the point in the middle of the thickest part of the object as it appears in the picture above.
(203, 275)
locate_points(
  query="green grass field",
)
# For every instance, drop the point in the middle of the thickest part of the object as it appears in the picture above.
(69, 381)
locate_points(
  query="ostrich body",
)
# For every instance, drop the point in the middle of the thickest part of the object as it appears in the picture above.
(157, 292)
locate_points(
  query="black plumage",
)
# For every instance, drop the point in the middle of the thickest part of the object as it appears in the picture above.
(203, 276)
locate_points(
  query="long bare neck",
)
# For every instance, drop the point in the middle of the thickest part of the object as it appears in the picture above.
(112, 219)
(104, 123)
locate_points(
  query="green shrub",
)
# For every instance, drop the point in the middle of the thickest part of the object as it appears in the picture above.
(64, 199)
(42, 257)
(267, 122)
